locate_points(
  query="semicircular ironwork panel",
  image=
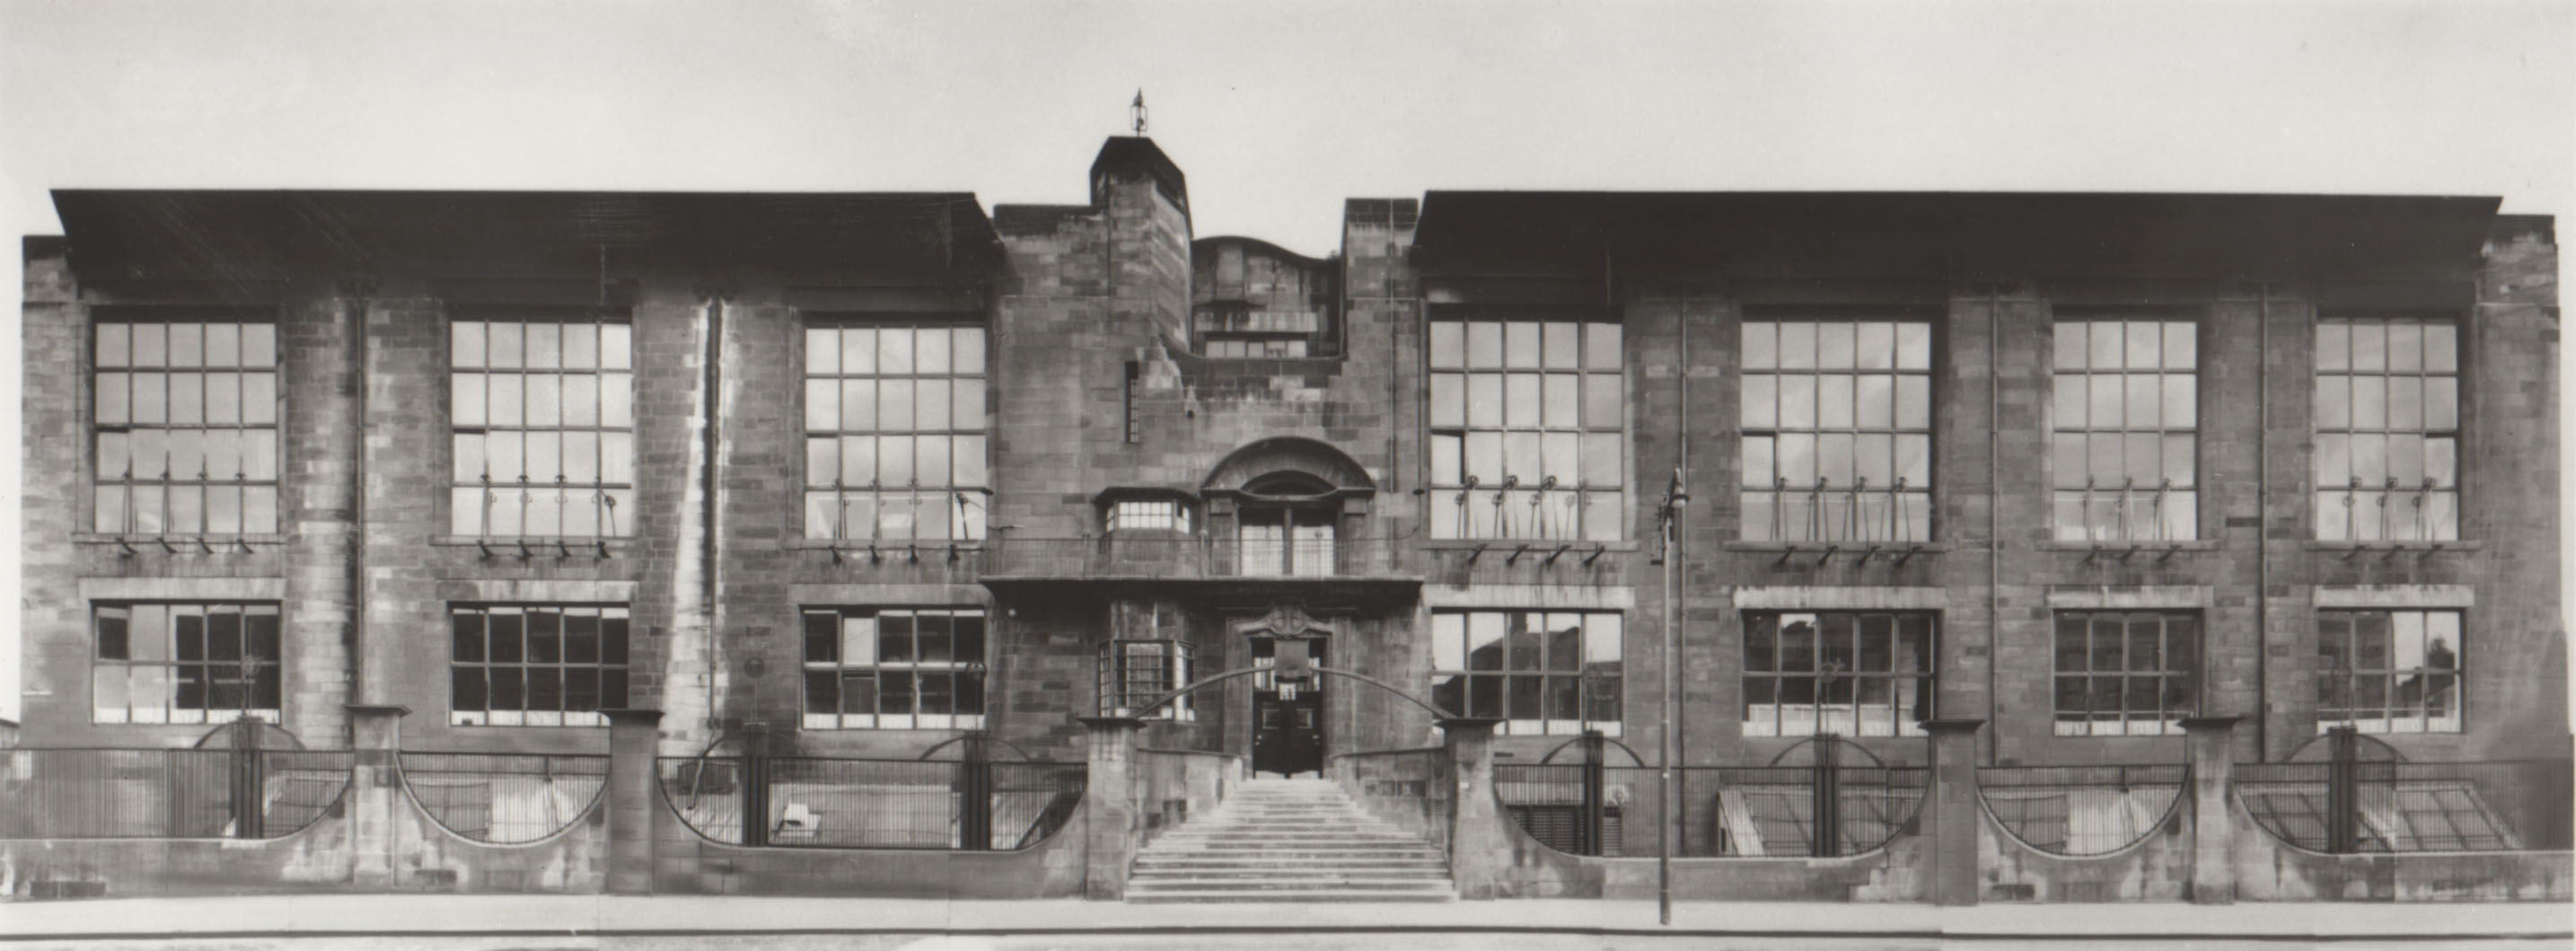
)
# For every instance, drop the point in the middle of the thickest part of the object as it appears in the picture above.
(2082, 810)
(505, 798)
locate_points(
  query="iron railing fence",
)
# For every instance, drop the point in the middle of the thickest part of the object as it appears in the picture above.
(166, 793)
(2082, 810)
(505, 798)
(2354, 806)
(872, 803)
(1724, 811)
(1172, 555)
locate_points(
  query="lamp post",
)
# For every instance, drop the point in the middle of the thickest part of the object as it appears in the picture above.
(1668, 824)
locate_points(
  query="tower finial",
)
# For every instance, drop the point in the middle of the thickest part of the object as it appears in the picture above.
(1136, 112)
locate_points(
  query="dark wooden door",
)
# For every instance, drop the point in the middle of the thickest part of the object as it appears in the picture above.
(1288, 731)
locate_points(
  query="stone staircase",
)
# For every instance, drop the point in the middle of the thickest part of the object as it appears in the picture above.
(1279, 840)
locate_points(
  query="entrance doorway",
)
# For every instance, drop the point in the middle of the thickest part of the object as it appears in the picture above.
(1287, 715)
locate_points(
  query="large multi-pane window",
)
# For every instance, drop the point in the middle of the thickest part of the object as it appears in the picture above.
(894, 432)
(1859, 673)
(1837, 421)
(163, 662)
(2122, 429)
(536, 664)
(2387, 418)
(2389, 671)
(2126, 673)
(1538, 672)
(186, 426)
(894, 668)
(543, 408)
(1526, 420)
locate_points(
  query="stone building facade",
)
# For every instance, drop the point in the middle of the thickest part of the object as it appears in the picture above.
(855, 474)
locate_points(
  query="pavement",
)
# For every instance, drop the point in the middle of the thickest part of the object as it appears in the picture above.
(303, 918)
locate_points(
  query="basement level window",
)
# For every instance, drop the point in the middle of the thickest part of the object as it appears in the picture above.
(2390, 671)
(164, 662)
(1854, 673)
(869, 668)
(1148, 515)
(536, 664)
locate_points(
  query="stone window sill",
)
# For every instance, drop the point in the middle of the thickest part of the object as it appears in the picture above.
(2142, 546)
(2411, 547)
(1548, 544)
(1839, 548)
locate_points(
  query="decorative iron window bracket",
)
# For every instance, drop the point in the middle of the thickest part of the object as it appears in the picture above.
(1908, 554)
(125, 549)
(486, 546)
(1515, 557)
(166, 546)
(1477, 552)
(1598, 550)
(1558, 553)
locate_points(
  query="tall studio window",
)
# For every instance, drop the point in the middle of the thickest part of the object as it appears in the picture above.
(2126, 673)
(894, 432)
(2389, 671)
(185, 663)
(2122, 423)
(536, 664)
(544, 419)
(2388, 430)
(186, 427)
(1845, 672)
(1554, 672)
(894, 668)
(1526, 420)
(1837, 419)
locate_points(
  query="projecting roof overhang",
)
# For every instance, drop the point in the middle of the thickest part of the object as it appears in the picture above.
(276, 235)
(1955, 235)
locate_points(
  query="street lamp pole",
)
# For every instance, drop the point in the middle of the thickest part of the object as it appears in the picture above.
(1669, 829)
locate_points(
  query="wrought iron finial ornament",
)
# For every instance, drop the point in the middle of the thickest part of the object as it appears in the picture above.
(1136, 112)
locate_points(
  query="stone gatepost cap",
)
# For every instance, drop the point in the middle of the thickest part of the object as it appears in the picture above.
(632, 716)
(1953, 725)
(379, 709)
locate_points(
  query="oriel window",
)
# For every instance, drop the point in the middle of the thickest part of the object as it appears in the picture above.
(544, 427)
(185, 422)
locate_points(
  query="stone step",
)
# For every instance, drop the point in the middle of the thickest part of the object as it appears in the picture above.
(1288, 885)
(1282, 873)
(1274, 863)
(1333, 895)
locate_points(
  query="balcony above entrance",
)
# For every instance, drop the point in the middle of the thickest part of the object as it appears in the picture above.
(1285, 515)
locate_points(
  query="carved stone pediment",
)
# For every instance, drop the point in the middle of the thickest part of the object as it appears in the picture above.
(1286, 620)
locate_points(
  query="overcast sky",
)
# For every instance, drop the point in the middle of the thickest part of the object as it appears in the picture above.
(1278, 111)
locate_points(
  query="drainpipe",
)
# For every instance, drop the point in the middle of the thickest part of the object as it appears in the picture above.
(709, 549)
(2262, 523)
(353, 304)
(1994, 504)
